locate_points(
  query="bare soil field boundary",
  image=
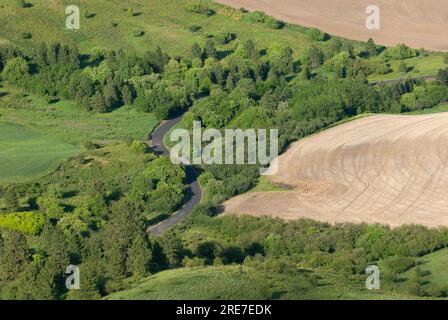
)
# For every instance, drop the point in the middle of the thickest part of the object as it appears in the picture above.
(387, 169)
(417, 23)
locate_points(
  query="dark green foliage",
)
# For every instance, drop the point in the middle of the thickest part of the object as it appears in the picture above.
(139, 256)
(104, 230)
(400, 51)
(371, 48)
(261, 17)
(196, 6)
(14, 255)
(400, 264)
(16, 70)
(127, 222)
(316, 35)
(27, 35)
(443, 76)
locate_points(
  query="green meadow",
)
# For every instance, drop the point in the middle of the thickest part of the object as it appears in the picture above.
(235, 282)
(69, 122)
(27, 153)
(36, 135)
(110, 24)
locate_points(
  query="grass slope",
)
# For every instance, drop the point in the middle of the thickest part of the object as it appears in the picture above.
(164, 22)
(192, 284)
(26, 153)
(69, 122)
(434, 266)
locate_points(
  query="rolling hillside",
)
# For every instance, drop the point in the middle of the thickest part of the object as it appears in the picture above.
(381, 169)
(416, 23)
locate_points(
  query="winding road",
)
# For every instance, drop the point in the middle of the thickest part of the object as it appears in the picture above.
(195, 193)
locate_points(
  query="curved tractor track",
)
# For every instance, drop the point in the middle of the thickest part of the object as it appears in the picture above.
(387, 169)
(195, 193)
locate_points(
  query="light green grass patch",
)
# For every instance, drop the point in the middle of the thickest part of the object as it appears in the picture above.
(420, 66)
(192, 284)
(26, 153)
(264, 185)
(69, 122)
(436, 263)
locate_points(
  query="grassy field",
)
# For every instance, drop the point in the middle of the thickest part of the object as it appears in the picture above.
(27, 153)
(36, 136)
(193, 284)
(441, 108)
(421, 65)
(164, 22)
(69, 122)
(108, 24)
(434, 266)
(239, 283)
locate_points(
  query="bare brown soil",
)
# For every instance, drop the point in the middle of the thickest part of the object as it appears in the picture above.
(418, 23)
(381, 169)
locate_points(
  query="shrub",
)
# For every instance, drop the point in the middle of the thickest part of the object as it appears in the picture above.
(224, 37)
(261, 17)
(194, 28)
(138, 146)
(442, 76)
(89, 14)
(138, 32)
(400, 52)
(316, 35)
(26, 35)
(415, 289)
(26, 222)
(198, 7)
(436, 291)
(193, 262)
(274, 23)
(400, 264)
(89, 145)
(15, 70)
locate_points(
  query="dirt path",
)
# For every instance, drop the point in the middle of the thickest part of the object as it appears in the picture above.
(418, 23)
(380, 169)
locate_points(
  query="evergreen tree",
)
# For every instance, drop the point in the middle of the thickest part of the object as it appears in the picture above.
(443, 76)
(371, 47)
(14, 255)
(315, 56)
(41, 55)
(98, 102)
(210, 50)
(127, 95)
(172, 248)
(139, 256)
(111, 94)
(196, 51)
(251, 51)
(126, 222)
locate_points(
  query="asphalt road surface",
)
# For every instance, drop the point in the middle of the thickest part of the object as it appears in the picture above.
(194, 194)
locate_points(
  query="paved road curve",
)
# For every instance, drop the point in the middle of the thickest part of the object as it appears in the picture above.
(195, 193)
